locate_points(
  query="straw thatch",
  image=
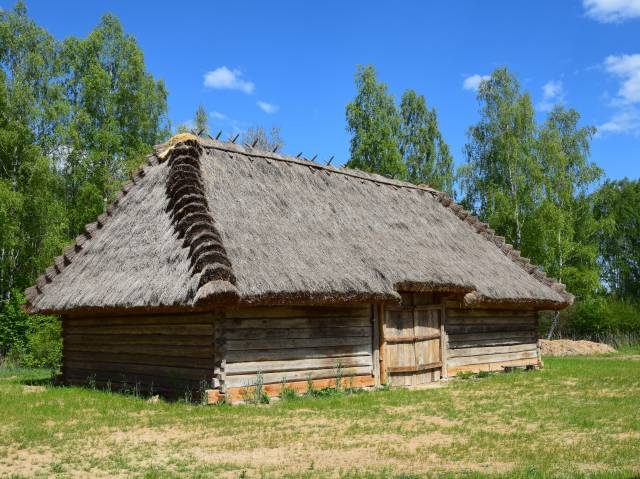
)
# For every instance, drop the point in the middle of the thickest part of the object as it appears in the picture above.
(208, 223)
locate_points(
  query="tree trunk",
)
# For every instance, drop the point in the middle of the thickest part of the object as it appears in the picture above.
(554, 324)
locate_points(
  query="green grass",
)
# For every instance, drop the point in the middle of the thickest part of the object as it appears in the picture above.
(579, 417)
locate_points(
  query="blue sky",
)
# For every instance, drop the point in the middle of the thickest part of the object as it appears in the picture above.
(291, 63)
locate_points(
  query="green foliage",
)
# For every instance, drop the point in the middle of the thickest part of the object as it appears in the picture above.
(14, 323)
(286, 393)
(255, 393)
(600, 318)
(617, 207)
(32, 229)
(201, 119)
(531, 182)
(116, 113)
(373, 121)
(562, 235)
(43, 346)
(403, 143)
(421, 145)
(32, 341)
(501, 176)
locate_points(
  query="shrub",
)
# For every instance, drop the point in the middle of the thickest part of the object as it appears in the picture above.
(599, 318)
(29, 341)
(14, 323)
(43, 346)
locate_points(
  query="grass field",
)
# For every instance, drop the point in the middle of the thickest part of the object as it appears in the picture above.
(579, 417)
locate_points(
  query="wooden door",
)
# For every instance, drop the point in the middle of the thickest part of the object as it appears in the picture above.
(413, 350)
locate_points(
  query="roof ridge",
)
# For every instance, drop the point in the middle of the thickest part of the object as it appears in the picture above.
(60, 263)
(352, 172)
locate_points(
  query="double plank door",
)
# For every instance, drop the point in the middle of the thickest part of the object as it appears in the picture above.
(413, 344)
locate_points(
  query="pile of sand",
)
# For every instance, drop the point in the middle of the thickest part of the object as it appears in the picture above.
(567, 347)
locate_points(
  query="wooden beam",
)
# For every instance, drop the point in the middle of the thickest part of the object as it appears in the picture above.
(443, 341)
(411, 339)
(381, 344)
(375, 343)
(414, 369)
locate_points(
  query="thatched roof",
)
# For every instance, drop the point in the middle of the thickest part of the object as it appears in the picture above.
(208, 223)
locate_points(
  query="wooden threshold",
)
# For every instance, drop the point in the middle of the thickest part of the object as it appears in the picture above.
(414, 369)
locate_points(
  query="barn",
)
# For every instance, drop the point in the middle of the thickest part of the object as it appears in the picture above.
(219, 263)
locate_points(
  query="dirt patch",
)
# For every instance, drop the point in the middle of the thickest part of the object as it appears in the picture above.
(33, 389)
(26, 462)
(567, 347)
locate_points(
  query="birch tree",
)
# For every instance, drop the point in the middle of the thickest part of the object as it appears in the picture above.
(422, 147)
(501, 179)
(562, 235)
(374, 124)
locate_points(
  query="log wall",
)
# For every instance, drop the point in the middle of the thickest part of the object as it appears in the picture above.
(169, 354)
(295, 344)
(488, 339)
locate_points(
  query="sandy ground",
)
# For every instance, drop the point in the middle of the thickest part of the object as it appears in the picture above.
(567, 347)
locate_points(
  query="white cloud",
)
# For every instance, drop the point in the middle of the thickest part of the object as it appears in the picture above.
(216, 115)
(226, 123)
(626, 118)
(612, 11)
(552, 94)
(223, 78)
(624, 121)
(626, 67)
(552, 89)
(473, 82)
(269, 108)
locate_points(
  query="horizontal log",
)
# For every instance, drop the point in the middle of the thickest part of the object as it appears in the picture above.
(120, 339)
(137, 358)
(300, 322)
(491, 358)
(150, 349)
(410, 339)
(297, 353)
(248, 380)
(298, 312)
(531, 322)
(240, 393)
(139, 320)
(493, 335)
(128, 368)
(507, 306)
(468, 343)
(167, 330)
(482, 313)
(498, 366)
(244, 344)
(478, 351)
(252, 367)
(294, 333)
(486, 328)
(414, 368)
